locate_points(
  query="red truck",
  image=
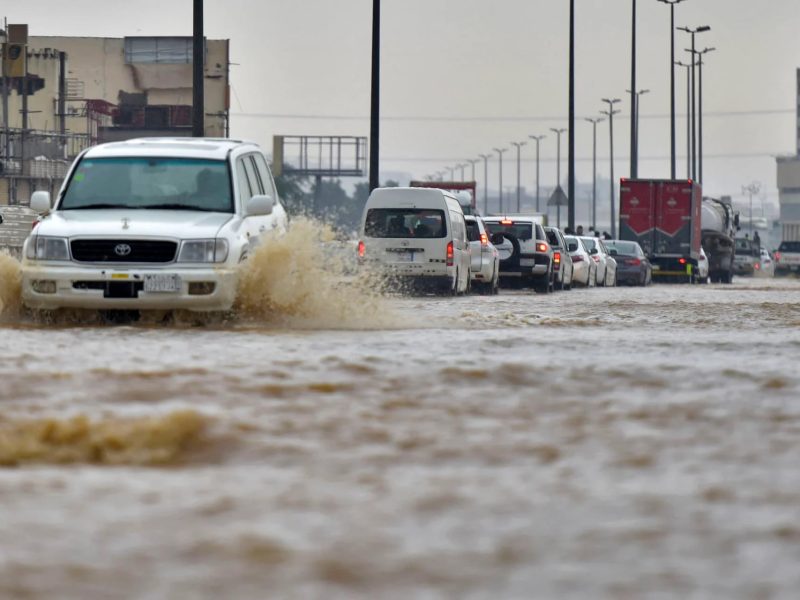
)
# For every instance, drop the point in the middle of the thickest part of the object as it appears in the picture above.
(664, 217)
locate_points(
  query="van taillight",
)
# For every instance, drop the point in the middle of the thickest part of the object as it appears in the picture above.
(362, 249)
(450, 254)
(484, 239)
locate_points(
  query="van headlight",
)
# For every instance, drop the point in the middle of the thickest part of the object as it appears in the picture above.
(41, 247)
(203, 251)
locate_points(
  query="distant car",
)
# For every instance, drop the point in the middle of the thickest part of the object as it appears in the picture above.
(767, 264)
(606, 265)
(584, 269)
(632, 265)
(787, 258)
(525, 254)
(747, 260)
(562, 262)
(701, 276)
(485, 267)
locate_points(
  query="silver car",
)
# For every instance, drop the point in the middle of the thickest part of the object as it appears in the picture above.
(485, 265)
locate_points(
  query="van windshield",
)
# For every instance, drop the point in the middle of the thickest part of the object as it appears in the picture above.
(150, 182)
(405, 223)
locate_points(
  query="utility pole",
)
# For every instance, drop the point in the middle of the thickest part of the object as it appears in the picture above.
(375, 98)
(636, 126)
(198, 60)
(688, 118)
(594, 123)
(537, 139)
(518, 146)
(571, 138)
(699, 55)
(634, 108)
(673, 147)
(500, 152)
(692, 32)
(485, 158)
(610, 114)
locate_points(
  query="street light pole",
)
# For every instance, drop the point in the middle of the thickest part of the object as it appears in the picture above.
(375, 96)
(688, 118)
(610, 114)
(571, 117)
(673, 148)
(558, 133)
(751, 189)
(537, 138)
(518, 145)
(472, 162)
(485, 158)
(500, 152)
(636, 126)
(594, 123)
(461, 166)
(700, 109)
(634, 170)
(198, 61)
(692, 32)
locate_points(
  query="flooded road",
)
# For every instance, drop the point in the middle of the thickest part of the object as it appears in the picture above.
(619, 443)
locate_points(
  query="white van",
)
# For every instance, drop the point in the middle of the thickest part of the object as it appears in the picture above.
(419, 236)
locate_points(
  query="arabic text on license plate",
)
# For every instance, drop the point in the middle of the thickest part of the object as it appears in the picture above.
(162, 282)
(405, 257)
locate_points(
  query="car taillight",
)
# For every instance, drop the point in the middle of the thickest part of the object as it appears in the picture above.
(362, 249)
(557, 257)
(541, 247)
(757, 266)
(450, 254)
(777, 256)
(635, 262)
(577, 258)
(682, 261)
(484, 239)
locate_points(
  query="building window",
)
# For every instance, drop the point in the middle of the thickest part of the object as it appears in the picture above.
(161, 50)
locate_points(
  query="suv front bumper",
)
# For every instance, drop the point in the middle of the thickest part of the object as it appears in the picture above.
(109, 288)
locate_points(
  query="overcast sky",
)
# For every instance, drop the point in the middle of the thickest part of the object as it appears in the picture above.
(460, 77)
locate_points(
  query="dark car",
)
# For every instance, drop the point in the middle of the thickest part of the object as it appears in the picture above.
(633, 267)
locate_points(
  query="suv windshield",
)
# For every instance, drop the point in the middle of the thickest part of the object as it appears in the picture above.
(145, 182)
(405, 223)
(522, 231)
(473, 231)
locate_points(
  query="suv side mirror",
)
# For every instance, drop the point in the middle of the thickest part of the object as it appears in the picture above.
(259, 205)
(40, 202)
(497, 238)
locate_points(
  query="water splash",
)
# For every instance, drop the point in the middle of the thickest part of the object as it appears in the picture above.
(10, 285)
(304, 278)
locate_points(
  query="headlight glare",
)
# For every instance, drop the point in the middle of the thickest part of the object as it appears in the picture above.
(203, 251)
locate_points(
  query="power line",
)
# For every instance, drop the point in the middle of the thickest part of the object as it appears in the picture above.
(489, 119)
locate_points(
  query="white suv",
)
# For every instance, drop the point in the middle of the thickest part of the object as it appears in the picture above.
(159, 223)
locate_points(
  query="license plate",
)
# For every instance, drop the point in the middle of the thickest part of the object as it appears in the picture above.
(527, 262)
(404, 257)
(162, 283)
(656, 267)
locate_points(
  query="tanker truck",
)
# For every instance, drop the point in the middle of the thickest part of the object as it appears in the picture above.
(719, 227)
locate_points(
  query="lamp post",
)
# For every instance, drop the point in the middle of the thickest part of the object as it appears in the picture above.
(699, 55)
(571, 122)
(198, 56)
(672, 4)
(472, 162)
(688, 118)
(500, 152)
(375, 96)
(751, 189)
(610, 114)
(462, 166)
(451, 171)
(594, 123)
(558, 133)
(692, 32)
(485, 158)
(518, 146)
(636, 127)
(537, 139)
(634, 170)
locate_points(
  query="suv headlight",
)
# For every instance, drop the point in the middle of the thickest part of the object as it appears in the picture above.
(41, 247)
(203, 251)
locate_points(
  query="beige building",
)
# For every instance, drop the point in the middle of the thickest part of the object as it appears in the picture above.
(83, 91)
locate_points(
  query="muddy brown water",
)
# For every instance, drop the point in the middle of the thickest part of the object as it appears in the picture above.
(594, 443)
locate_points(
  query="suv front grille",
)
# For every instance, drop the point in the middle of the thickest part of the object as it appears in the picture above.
(124, 251)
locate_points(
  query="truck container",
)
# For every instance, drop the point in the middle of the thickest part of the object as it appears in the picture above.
(663, 216)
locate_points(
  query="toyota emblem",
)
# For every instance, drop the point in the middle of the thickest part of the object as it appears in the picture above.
(122, 249)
